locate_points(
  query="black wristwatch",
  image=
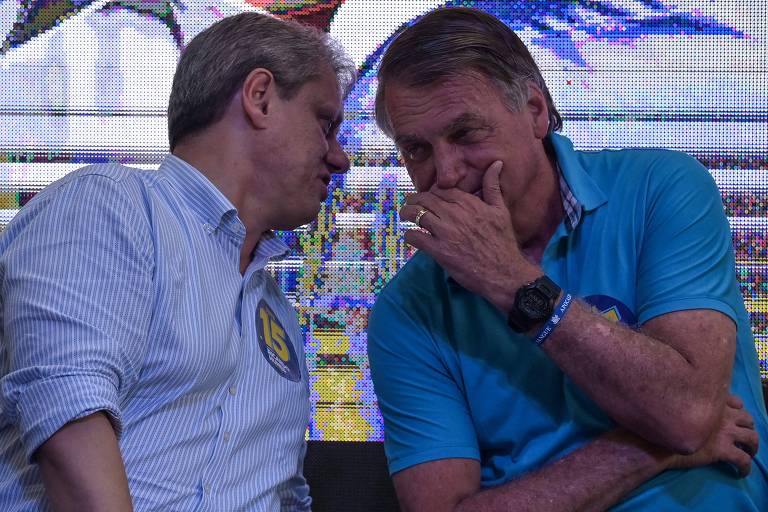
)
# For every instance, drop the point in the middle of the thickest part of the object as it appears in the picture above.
(534, 303)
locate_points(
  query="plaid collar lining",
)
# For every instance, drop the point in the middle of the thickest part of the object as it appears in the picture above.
(571, 205)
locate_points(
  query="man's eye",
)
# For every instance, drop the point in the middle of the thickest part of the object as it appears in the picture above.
(463, 134)
(327, 125)
(413, 153)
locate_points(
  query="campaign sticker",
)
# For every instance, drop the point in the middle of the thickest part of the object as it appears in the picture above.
(612, 309)
(276, 346)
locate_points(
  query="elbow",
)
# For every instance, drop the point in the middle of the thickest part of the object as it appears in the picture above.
(688, 432)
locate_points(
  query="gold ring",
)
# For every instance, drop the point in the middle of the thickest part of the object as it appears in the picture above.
(419, 215)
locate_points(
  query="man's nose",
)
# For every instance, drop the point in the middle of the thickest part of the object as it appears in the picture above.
(336, 158)
(449, 166)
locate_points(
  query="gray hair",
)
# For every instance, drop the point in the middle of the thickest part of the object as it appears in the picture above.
(216, 62)
(450, 41)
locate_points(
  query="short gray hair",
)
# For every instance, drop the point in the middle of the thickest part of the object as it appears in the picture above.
(216, 62)
(450, 41)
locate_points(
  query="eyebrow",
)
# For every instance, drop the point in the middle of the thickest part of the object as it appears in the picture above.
(462, 120)
(405, 139)
(458, 122)
(330, 111)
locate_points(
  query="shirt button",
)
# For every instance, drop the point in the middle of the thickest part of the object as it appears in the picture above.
(207, 488)
(225, 436)
(232, 390)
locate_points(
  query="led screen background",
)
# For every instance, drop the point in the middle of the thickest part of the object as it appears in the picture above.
(88, 81)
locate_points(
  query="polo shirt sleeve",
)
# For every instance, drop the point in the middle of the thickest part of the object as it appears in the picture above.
(425, 413)
(76, 282)
(686, 256)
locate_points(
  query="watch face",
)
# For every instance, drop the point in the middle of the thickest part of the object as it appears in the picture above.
(534, 304)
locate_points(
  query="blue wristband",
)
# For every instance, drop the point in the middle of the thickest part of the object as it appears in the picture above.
(554, 320)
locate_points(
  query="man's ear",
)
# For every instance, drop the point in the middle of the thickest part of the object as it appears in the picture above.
(258, 93)
(537, 107)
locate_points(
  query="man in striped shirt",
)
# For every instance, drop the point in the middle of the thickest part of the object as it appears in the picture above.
(148, 360)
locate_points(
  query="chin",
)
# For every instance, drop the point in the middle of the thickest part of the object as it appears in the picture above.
(298, 219)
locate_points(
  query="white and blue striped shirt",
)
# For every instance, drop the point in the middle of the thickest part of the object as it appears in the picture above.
(121, 292)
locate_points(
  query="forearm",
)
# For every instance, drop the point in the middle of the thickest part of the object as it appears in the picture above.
(589, 479)
(82, 469)
(644, 384)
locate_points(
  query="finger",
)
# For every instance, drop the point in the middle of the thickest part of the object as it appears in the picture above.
(420, 240)
(491, 185)
(423, 217)
(734, 401)
(409, 212)
(741, 460)
(431, 202)
(416, 197)
(743, 419)
(747, 440)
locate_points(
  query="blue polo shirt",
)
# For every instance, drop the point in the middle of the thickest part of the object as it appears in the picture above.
(453, 381)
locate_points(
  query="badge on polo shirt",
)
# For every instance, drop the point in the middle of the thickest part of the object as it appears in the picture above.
(612, 309)
(275, 344)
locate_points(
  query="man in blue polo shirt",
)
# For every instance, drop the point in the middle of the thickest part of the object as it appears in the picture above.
(571, 330)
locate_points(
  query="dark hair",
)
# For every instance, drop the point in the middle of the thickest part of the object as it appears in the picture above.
(217, 61)
(450, 41)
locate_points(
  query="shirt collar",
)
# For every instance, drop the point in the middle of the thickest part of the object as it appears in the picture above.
(578, 190)
(571, 205)
(197, 191)
(270, 247)
(213, 208)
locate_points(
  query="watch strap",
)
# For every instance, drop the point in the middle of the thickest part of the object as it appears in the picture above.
(554, 320)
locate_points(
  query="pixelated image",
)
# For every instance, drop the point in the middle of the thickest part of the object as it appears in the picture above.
(88, 81)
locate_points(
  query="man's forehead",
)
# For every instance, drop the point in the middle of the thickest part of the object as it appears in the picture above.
(459, 97)
(467, 81)
(444, 126)
(324, 92)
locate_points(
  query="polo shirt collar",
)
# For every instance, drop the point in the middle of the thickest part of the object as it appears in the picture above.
(586, 191)
(198, 193)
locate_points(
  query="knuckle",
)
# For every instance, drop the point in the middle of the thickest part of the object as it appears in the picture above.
(745, 466)
(735, 402)
(743, 416)
(754, 440)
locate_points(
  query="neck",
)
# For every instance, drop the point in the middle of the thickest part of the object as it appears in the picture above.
(538, 229)
(223, 166)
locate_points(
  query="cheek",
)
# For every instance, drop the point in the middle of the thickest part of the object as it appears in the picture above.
(422, 176)
(324, 145)
(482, 155)
(477, 159)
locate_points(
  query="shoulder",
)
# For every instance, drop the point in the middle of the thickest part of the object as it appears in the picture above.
(649, 165)
(113, 171)
(411, 296)
(420, 277)
(649, 174)
(86, 200)
(642, 164)
(97, 183)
